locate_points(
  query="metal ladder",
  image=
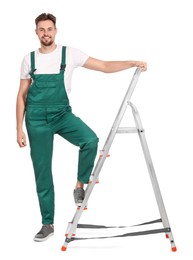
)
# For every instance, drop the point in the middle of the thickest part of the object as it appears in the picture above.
(73, 225)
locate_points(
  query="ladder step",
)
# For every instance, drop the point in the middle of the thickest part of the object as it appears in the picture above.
(124, 130)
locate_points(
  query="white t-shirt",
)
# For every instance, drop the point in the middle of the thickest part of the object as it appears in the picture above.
(49, 63)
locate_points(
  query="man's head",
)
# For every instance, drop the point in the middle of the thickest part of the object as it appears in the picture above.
(46, 28)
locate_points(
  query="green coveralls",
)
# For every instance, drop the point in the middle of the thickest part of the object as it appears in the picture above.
(47, 113)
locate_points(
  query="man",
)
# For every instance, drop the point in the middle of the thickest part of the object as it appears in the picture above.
(43, 100)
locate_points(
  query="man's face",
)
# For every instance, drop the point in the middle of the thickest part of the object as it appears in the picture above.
(46, 32)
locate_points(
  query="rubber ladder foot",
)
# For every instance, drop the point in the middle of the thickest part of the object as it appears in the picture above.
(64, 248)
(174, 249)
(78, 208)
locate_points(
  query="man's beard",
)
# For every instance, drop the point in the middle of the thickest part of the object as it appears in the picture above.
(46, 42)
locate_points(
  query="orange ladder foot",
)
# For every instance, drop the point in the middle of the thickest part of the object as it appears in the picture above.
(64, 248)
(174, 249)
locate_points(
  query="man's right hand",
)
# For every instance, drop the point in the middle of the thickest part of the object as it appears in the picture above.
(21, 139)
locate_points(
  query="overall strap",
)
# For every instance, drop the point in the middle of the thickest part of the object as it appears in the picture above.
(32, 56)
(63, 63)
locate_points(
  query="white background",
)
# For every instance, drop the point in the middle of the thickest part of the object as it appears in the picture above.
(158, 32)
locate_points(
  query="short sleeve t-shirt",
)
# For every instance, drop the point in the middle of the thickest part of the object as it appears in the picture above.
(49, 63)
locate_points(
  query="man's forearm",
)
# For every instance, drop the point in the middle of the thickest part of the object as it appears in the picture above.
(115, 66)
(20, 111)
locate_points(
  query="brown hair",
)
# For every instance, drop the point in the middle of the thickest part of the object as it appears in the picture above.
(44, 17)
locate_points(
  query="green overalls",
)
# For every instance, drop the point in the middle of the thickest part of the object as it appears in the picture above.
(47, 113)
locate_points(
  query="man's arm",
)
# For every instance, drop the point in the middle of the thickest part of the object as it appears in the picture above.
(113, 66)
(20, 110)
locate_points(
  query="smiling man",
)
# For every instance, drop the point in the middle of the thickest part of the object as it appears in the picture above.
(45, 83)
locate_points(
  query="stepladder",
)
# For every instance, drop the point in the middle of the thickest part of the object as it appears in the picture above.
(104, 153)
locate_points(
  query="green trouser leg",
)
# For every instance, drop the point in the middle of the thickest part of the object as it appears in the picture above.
(74, 130)
(87, 155)
(41, 142)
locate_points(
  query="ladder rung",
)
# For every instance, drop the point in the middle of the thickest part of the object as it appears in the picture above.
(122, 130)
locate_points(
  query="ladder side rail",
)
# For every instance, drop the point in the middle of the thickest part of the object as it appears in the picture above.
(152, 173)
(150, 166)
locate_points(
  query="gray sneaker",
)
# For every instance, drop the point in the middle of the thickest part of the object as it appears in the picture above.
(45, 232)
(79, 194)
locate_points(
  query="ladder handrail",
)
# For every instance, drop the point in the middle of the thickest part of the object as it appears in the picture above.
(122, 110)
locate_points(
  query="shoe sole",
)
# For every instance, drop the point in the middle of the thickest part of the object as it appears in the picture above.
(78, 204)
(43, 239)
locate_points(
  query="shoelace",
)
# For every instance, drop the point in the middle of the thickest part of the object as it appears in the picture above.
(45, 228)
